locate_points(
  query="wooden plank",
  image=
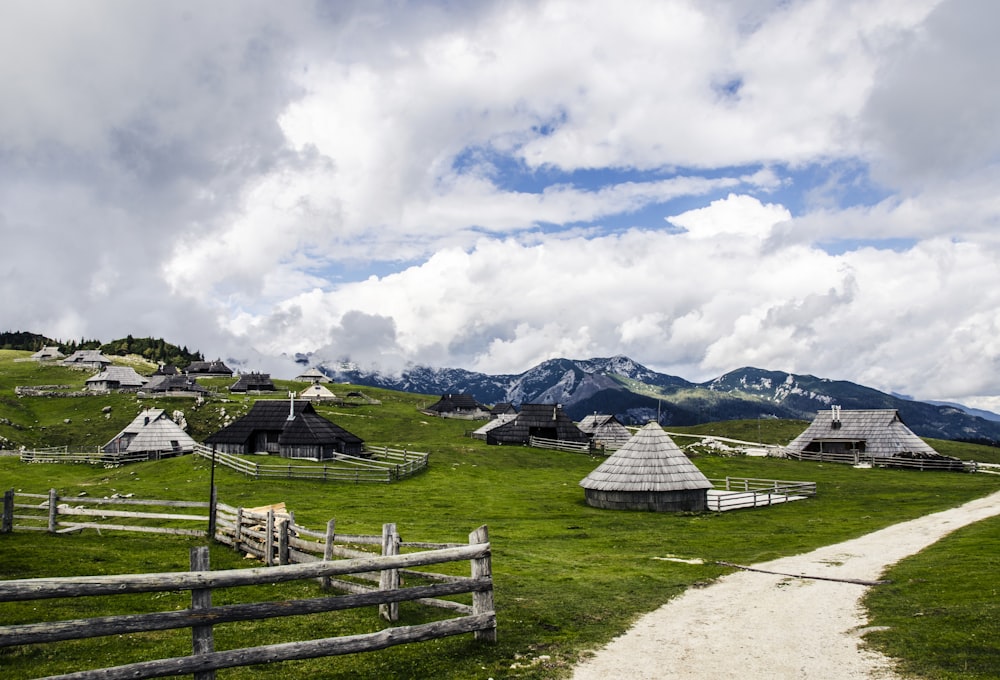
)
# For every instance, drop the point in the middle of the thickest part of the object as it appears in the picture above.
(202, 641)
(77, 526)
(290, 651)
(92, 512)
(75, 586)
(482, 567)
(389, 578)
(79, 629)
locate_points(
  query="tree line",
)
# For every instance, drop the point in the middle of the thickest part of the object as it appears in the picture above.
(156, 350)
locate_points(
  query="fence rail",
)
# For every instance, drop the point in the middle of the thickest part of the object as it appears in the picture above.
(381, 464)
(289, 551)
(561, 445)
(860, 458)
(95, 457)
(744, 492)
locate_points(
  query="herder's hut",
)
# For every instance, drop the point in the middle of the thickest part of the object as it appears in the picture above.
(875, 436)
(290, 429)
(154, 433)
(48, 353)
(87, 358)
(605, 430)
(318, 392)
(547, 421)
(116, 378)
(504, 408)
(649, 472)
(495, 422)
(253, 382)
(177, 385)
(312, 375)
(457, 406)
(209, 369)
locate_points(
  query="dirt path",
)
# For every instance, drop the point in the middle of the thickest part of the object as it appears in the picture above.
(757, 625)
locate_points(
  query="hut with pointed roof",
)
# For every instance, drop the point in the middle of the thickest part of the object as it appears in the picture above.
(286, 428)
(48, 353)
(87, 358)
(873, 436)
(312, 375)
(209, 368)
(318, 392)
(178, 385)
(649, 472)
(154, 433)
(457, 406)
(605, 430)
(115, 378)
(253, 382)
(547, 421)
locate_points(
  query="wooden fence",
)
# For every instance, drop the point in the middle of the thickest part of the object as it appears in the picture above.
(290, 552)
(63, 454)
(861, 458)
(561, 445)
(380, 464)
(742, 492)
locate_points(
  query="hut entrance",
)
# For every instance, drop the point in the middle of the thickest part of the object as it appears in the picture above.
(543, 432)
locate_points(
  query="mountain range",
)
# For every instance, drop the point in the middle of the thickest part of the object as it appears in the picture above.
(636, 394)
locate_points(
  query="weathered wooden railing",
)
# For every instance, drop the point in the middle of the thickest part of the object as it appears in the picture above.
(561, 445)
(380, 464)
(94, 457)
(49, 512)
(862, 458)
(202, 616)
(744, 492)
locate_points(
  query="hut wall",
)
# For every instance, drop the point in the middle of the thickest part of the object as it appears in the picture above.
(686, 500)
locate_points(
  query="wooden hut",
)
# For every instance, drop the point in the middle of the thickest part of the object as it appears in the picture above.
(318, 392)
(458, 406)
(605, 430)
(115, 378)
(873, 436)
(253, 382)
(209, 369)
(312, 375)
(547, 421)
(48, 353)
(87, 358)
(177, 385)
(154, 433)
(649, 472)
(290, 429)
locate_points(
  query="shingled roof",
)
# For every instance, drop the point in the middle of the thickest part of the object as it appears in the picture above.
(152, 431)
(296, 422)
(879, 433)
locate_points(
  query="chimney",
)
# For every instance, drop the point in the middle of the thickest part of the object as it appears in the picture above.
(291, 405)
(835, 417)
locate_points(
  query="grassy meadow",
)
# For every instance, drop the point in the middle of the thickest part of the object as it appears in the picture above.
(568, 577)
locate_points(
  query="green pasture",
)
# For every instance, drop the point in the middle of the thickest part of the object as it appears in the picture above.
(568, 577)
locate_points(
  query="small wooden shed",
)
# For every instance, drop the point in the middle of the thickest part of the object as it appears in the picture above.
(547, 421)
(458, 406)
(253, 382)
(649, 472)
(605, 430)
(287, 428)
(154, 433)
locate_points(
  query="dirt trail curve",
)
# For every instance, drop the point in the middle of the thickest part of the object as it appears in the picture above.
(757, 625)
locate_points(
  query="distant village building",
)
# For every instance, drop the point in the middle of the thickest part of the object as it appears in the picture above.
(649, 472)
(48, 353)
(318, 392)
(313, 375)
(458, 406)
(253, 382)
(290, 429)
(605, 431)
(872, 436)
(547, 421)
(177, 385)
(154, 433)
(87, 358)
(115, 378)
(209, 369)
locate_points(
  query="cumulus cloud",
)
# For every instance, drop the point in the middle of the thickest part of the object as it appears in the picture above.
(805, 186)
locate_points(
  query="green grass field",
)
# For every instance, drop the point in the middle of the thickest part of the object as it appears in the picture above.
(568, 577)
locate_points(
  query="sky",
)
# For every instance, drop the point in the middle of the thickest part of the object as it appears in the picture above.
(701, 185)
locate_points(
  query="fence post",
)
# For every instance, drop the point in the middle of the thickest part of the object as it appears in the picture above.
(202, 640)
(482, 600)
(331, 527)
(283, 541)
(269, 539)
(53, 510)
(8, 512)
(238, 530)
(389, 578)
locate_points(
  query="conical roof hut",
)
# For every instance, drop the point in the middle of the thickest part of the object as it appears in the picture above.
(649, 472)
(153, 432)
